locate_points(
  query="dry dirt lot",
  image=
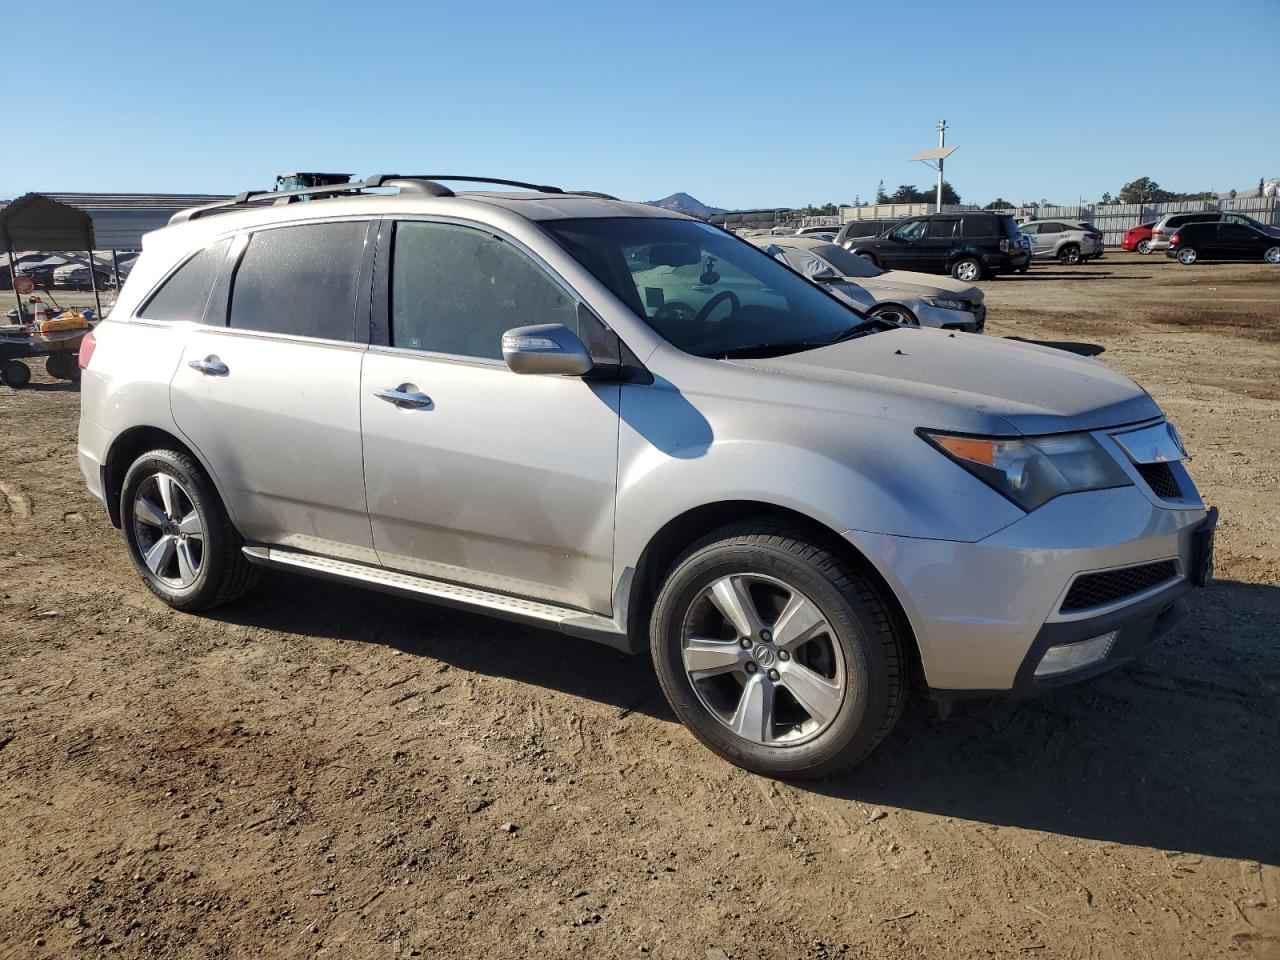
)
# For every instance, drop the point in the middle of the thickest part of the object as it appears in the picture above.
(319, 771)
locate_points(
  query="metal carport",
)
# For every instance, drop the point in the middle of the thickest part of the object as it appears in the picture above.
(89, 221)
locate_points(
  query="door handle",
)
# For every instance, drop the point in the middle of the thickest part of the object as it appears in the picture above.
(406, 397)
(210, 366)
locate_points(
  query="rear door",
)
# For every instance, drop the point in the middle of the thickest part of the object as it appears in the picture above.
(1239, 242)
(268, 389)
(492, 478)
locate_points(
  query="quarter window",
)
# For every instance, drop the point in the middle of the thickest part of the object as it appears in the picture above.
(300, 280)
(456, 290)
(185, 294)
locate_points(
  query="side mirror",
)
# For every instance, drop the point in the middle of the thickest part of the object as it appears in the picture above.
(547, 348)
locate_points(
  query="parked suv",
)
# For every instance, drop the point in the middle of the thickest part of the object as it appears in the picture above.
(1067, 241)
(1193, 242)
(1167, 225)
(969, 246)
(624, 424)
(858, 229)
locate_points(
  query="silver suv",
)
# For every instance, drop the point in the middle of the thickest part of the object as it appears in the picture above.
(621, 423)
(1067, 241)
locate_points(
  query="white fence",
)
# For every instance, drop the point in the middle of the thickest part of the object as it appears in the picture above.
(1113, 219)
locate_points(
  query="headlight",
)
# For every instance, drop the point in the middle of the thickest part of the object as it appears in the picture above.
(1033, 470)
(947, 303)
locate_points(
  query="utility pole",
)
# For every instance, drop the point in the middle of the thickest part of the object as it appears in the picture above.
(942, 142)
(934, 157)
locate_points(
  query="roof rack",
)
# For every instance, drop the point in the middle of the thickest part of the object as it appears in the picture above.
(407, 183)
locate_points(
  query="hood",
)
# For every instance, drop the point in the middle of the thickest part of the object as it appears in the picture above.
(907, 283)
(1016, 387)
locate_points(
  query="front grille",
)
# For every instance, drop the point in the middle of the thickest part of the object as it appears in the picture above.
(1098, 589)
(1160, 478)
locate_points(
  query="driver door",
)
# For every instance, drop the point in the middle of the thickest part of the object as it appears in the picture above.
(902, 249)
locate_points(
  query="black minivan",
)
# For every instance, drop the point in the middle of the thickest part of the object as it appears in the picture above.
(1193, 242)
(969, 246)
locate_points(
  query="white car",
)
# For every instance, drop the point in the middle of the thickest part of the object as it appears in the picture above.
(920, 299)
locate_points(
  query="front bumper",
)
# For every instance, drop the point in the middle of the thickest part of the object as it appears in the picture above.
(984, 613)
(972, 321)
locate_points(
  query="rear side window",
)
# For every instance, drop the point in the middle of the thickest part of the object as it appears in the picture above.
(457, 290)
(185, 294)
(300, 280)
(942, 229)
(1053, 227)
(1235, 231)
(985, 227)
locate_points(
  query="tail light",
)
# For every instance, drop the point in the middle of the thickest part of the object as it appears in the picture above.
(1005, 246)
(87, 346)
(1175, 238)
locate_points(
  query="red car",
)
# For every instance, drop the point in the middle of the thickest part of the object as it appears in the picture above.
(1138, 238)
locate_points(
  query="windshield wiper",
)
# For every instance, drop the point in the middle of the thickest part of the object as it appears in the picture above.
(863, 326)
(777, 348)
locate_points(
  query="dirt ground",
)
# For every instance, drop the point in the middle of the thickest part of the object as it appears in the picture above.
(320, 771)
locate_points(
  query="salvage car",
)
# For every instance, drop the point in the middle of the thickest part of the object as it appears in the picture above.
(912, 299)
(969, 246)
(618, 422)
(1067, 241)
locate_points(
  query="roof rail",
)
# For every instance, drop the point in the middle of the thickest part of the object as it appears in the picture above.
(407, 183)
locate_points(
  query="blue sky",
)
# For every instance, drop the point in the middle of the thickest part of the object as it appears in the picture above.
(739, 103)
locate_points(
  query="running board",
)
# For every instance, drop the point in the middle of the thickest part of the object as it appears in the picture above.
(576, 623)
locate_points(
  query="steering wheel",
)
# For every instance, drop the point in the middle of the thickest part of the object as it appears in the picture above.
(676, 310)
(715, 301)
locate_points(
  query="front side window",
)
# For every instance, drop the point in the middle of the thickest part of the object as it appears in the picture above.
(185, 294)
(911, 230)
(457, 290)
(300, 280)
(701, 289)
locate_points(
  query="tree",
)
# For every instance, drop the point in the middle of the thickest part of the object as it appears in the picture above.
(1232, 194)
(881, 196)
(908, 193)
(999, 203)
(1142, 190)
(1106, 198)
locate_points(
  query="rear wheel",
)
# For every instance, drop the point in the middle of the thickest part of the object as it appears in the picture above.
(1187, 256)
(179, 536)
(776, 653)
(1070, 253)
(967, 269)
(15, 374)
(1144, 247)
(1272, 255)
(62, 366)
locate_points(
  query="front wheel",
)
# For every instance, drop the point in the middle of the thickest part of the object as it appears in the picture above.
(1144, 247)
(1272, 255)
(968, 269)
(1187, 256)
(776, 653)
(895, 314)
(178, 534)
(1069, 254)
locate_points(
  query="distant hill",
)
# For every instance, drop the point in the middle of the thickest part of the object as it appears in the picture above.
(684, 203)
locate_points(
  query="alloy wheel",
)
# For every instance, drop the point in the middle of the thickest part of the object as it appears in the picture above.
(169, 530)
(1187, 255)
(967, 271)
(763, 659)
(1273, 255)
(1144, 246)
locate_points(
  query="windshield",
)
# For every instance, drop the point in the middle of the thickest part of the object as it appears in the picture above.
(701, 289)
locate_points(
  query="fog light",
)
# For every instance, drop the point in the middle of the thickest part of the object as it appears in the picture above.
(1066, 657)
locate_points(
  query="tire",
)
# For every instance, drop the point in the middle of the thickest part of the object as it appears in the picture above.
(1069, 253)
(967, 269)
(1272, 255)
(214, 570)
(909, 319)
(1144, 247)
(852, 666)
(62, 366)
(15, 373)
(1187, 256)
